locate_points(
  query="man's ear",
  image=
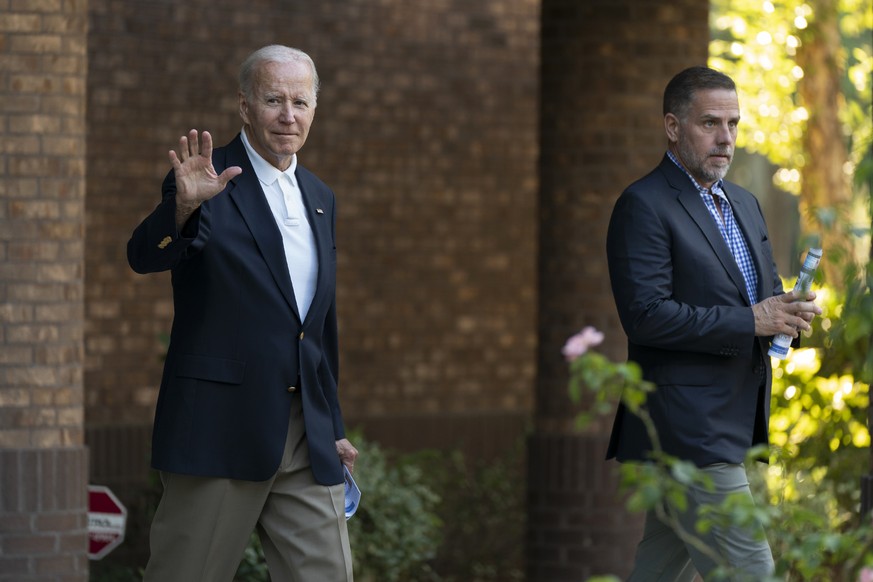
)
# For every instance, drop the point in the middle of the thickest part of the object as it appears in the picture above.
(243, 108)
(671, 126)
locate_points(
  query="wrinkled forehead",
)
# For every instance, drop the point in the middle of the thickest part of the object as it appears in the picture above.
(722, 101)
(292, 77)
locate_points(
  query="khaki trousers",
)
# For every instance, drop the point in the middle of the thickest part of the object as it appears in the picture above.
(203, 525)
(663, 557)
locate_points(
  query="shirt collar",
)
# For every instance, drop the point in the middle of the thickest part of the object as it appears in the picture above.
(717, 188)
(267, 173)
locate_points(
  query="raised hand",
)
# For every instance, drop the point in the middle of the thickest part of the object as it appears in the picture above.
(196, 178)
(786, 313)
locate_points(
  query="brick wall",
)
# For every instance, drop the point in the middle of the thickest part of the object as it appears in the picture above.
(604, 67)
(43, 461)
(426, 129)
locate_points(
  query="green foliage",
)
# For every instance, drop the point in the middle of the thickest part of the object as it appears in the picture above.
(809, 540)
(821, 441)
(751, 38)
(483, 511)
(808, 499)
(396, 530)
(847, 328)
(468, 516)
(252, 567)
(612, 381)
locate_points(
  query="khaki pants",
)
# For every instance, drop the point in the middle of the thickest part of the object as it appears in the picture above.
(202, 525)
(663, 557)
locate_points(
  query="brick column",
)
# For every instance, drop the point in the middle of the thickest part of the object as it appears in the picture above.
(604, 67)
(43, 461)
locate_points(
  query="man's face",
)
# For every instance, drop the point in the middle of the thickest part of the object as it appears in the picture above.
(280, 111)
(704, 138)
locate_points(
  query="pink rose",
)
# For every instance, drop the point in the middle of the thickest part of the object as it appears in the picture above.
(578, 344)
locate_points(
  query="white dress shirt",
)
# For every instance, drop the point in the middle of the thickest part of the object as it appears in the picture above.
(286, 201)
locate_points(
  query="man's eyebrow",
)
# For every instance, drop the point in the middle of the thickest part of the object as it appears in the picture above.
(714, 116)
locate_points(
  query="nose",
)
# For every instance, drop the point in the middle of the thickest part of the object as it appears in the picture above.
(725, 133)
(287, 115)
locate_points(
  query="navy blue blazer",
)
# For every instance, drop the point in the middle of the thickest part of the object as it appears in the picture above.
(239, 351)
(683, 304)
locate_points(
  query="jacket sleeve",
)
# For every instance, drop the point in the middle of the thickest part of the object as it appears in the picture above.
(156, 244)
(644, 241)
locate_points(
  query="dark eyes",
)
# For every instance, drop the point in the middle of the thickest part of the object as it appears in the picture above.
(709, 123)
(299, 103)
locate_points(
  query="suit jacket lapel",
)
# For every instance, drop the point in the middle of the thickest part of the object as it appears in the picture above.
(747, 218)
(249, 198)
(320, 215)
(690, 199)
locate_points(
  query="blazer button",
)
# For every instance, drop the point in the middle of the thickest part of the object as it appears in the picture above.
(292, 389)
(300, 336)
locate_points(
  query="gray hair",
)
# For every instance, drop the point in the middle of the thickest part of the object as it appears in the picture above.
(680, 90)
(274, 53)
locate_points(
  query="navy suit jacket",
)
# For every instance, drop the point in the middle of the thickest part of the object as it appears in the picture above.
(238, 344)
(683, 304)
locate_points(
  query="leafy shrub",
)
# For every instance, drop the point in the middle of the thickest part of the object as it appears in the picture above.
(252, 567)
(396, 530)
(483, 509)
(820, 442)
(808, 499)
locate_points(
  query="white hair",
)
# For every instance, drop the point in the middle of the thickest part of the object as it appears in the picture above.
(274, 53)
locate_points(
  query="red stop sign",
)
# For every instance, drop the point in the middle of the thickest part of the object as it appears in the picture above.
(106, 520)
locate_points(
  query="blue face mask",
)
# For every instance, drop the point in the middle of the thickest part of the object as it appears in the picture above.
(353, 494)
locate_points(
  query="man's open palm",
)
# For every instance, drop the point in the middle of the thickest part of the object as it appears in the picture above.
(196, 179)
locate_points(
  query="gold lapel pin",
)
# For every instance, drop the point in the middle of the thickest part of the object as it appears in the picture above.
(166, 241)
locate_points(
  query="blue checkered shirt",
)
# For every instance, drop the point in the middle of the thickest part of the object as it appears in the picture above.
(729, 229)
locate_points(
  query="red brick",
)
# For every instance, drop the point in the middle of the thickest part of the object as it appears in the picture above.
(76, 543)
(55, 564)
(19, 23)
(58, 522)
(32, 545)
(64, 23)
(18, 187)
(33, 210)
(22, 144)
(16, 355)
(44, 6)
(16, 313)
(14, 566)
(34, 250)
(35, 43)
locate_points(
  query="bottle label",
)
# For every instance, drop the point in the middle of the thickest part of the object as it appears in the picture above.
(782, 343)
(778, 351)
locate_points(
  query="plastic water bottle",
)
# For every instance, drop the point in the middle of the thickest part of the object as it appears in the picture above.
(782, 342)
